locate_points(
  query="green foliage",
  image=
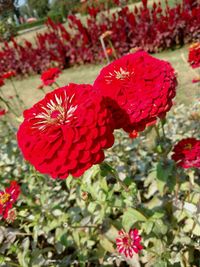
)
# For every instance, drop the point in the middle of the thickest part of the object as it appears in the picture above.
(7, 30)
(41, 6)
(63, 7)
(76, 221)
(25, 26)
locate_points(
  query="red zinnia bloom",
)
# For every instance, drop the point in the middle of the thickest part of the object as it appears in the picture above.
(66, 132)
(49, 76)
(9, 74)
(8, 198)
(128, 243)
(2, 112)
(187, 153)
(138, 89)
(194, 55)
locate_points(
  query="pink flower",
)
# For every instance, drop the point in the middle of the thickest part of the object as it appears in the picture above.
(128, 243)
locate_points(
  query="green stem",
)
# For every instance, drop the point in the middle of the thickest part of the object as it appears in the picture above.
(157, 131)
(16, 93)
(57, 84)
(8, 106)
(115, 174)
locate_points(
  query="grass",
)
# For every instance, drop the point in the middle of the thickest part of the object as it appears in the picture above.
(187, 92)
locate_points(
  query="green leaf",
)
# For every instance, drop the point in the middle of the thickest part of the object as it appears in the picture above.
(130, 217)
(106, 244)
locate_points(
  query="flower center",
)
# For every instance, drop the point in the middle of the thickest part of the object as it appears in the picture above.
(55, 114)
(188, 146)
(126, 241)
(4, 198)
(57, 111)
(120, 74)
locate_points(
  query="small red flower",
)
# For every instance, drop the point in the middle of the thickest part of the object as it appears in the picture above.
(138, 89)
(8, 198)
(196, 80)
(109, 51)
(194, 55)
(129, 243)
(66, 132)
(187, 153)
(2, 112)
(133, 134)
(9, 75)
(49, 76)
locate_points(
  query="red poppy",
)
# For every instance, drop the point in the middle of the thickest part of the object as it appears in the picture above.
(9, 75)
(49, 76)
(194, 55)
(66, 132)
(129, 243)
(8, 198)
(138, 89)
(187, 153)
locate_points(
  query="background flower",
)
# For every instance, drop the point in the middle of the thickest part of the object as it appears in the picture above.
(2, 112)
(66, 132)
(128, 243)
(8, 198)
(49, 76)
(187, 153)
(194, 55)
(9, 75)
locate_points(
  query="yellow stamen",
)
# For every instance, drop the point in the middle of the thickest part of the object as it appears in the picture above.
(4, 198)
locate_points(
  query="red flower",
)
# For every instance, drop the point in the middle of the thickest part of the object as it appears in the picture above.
(196, 80)
(187, 153)
(194, 55)
(66, 132)
(138, 89)
(2, 112)
(8, 198)
(128, 243)
(109, 51)
(9, 74)
(133, 134)
(49, 76)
